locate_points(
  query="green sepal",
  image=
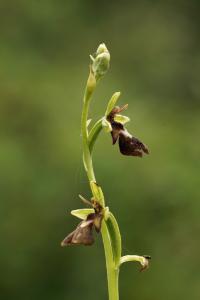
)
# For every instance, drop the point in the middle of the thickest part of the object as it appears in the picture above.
(97, 193)
(82, 213)
(106, 125)
(121, 119)
(112, 102)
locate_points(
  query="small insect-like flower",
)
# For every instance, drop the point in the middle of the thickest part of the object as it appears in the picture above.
(128, 144)
(83, 234)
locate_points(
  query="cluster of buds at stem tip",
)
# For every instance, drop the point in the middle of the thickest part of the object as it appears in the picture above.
(128, 144)
(100, 61)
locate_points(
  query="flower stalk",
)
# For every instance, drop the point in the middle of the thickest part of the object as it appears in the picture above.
(88, 143)
(99, 217)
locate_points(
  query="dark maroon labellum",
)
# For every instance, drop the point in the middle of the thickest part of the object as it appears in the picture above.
(130, 145)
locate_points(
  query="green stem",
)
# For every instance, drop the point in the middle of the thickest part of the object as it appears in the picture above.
(87, 158)
(112, 270)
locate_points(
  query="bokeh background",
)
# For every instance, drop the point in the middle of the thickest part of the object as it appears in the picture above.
(155, 63)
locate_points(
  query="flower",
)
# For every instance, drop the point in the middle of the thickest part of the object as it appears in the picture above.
(83, 234)
(128, 144)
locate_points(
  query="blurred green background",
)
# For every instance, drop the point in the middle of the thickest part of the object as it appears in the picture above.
(155, 63)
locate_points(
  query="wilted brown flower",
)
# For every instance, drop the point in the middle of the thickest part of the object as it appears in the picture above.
(83, 234)
(145, 264)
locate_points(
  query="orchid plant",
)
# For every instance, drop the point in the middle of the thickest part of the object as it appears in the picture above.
(98, 217)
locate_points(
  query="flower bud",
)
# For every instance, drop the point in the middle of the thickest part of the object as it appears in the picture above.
(91, 83)
(102, 48)
(101, 61)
